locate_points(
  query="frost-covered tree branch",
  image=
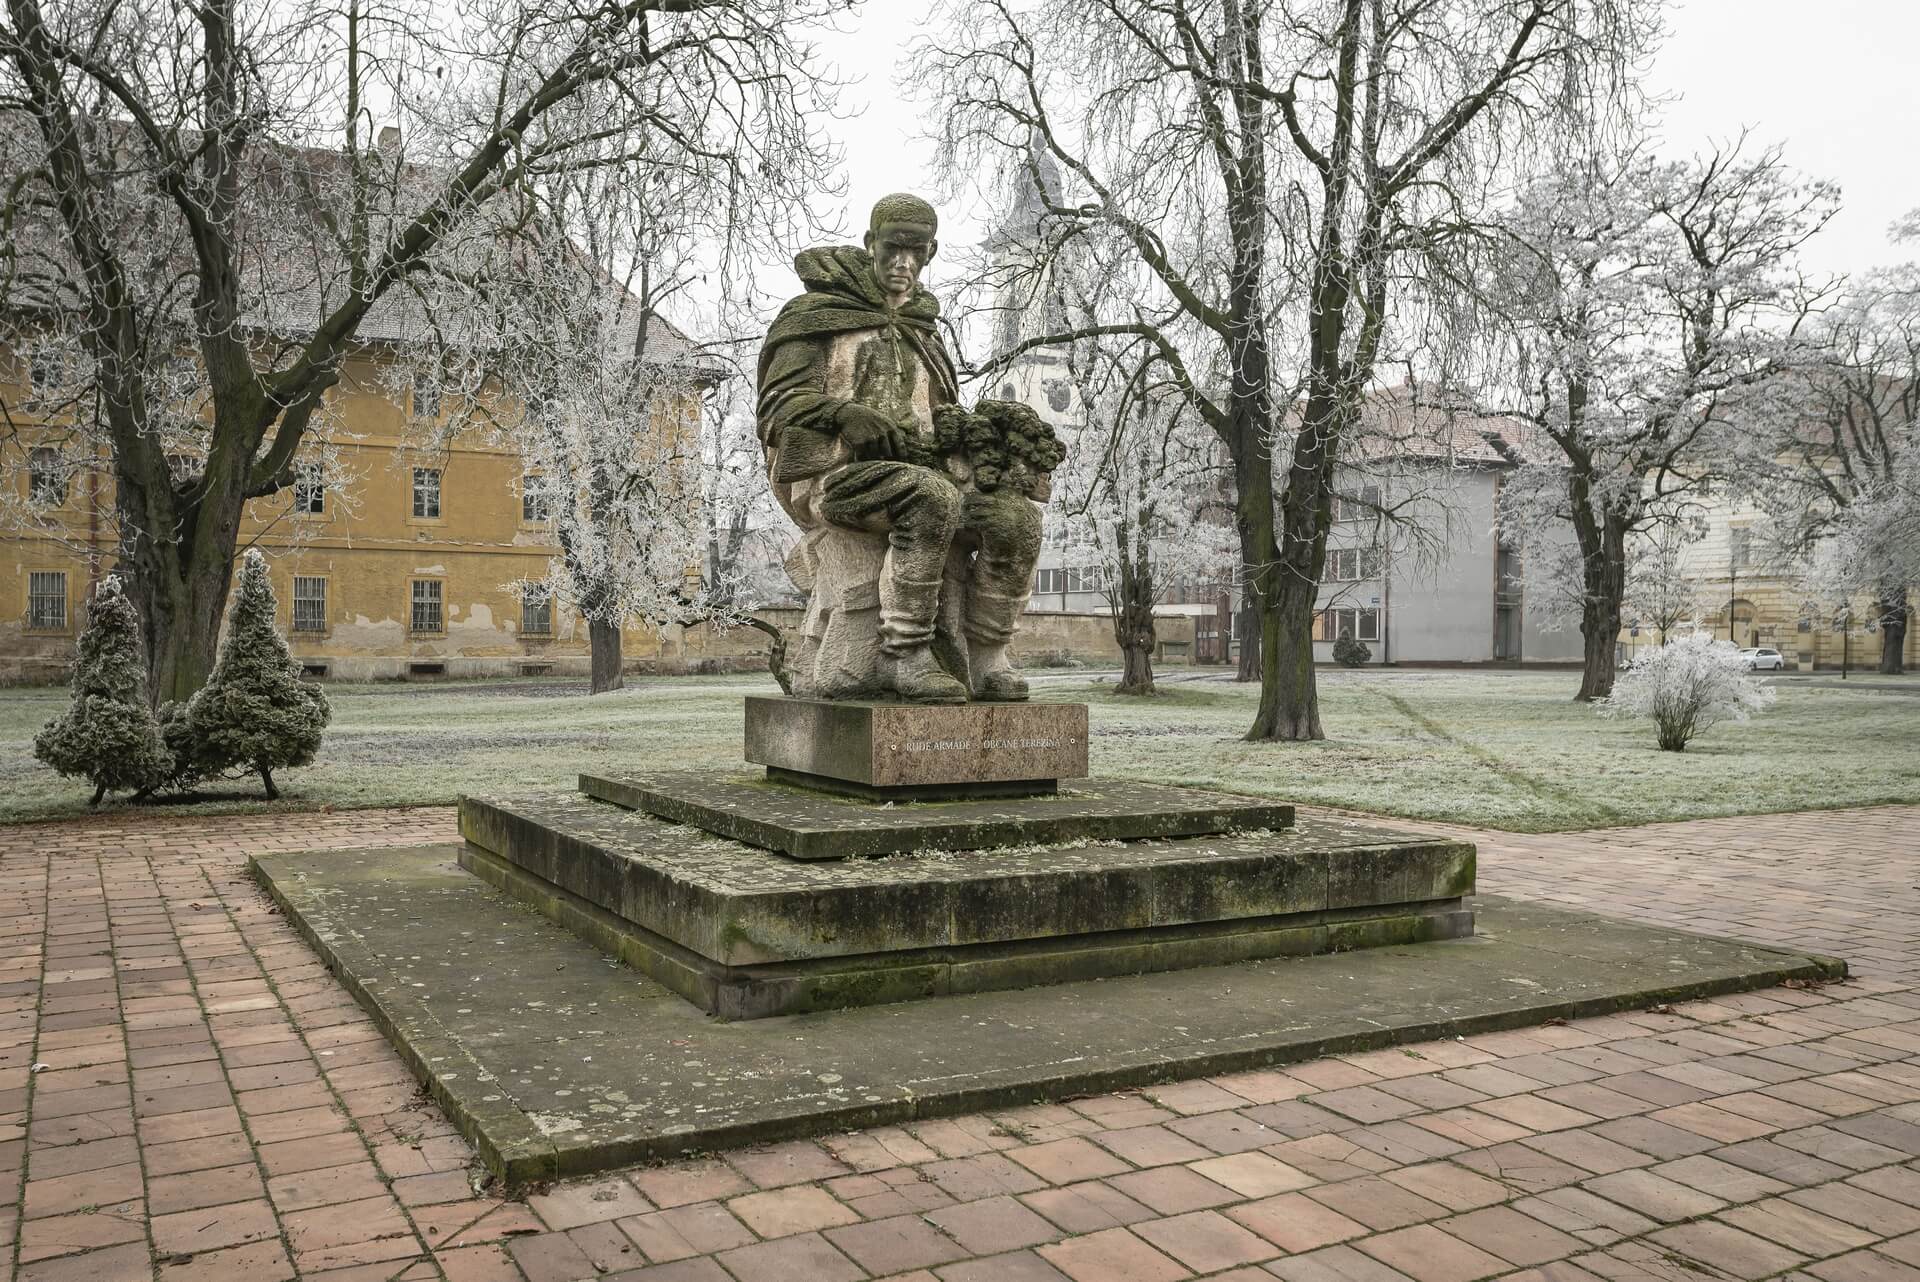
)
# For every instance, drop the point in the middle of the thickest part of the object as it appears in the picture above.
(1291, 183)
(1642, 313)
(1838, 474)
(261, 189)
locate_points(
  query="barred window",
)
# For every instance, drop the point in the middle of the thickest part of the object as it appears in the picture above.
(47, 600)
(309, 490)
(309, 604)
(426, 606)
(46, 477)
(536, 610)
(534, 508)
(426, 491)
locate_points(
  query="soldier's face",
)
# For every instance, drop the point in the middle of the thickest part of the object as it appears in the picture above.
(901, 251)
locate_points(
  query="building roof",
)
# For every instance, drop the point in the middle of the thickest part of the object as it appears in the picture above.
(1411, 421)
(292, 262)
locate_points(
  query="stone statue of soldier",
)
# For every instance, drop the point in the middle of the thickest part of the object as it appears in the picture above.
(916, 563)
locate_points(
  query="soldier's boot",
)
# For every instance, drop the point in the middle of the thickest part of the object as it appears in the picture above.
(906, 640)
(990, 628)
(1007, 529)
(994, 677)
(918, 678)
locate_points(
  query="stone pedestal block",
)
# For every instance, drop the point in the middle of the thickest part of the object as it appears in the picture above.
(916, 751)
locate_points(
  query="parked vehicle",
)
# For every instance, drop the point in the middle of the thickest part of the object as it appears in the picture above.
(1763, 659)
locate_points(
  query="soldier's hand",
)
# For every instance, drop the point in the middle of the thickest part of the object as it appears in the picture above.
(871, 434)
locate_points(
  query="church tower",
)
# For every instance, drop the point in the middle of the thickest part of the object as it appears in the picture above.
(1034, 293)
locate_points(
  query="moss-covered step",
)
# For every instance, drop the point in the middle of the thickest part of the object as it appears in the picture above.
(555, 1059)
(807, 824)
(745, 932)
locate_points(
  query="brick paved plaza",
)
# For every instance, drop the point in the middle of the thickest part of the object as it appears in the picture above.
(186, 1094)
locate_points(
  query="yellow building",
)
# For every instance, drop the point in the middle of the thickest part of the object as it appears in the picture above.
(389, 563)
(1741, 593)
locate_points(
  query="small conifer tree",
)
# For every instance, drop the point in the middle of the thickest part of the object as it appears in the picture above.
(108, 733)
(255, 712)
(1350, 653)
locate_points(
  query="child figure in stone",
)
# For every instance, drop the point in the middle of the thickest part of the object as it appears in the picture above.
(851, 374)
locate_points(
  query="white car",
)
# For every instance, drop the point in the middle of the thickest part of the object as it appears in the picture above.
(1763, 659)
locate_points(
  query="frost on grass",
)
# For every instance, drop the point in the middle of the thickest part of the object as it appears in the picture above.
(1519, 753)
(1687, 687)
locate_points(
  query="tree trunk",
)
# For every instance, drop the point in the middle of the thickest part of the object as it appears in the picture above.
(266, 777)
(1600, 526)
(1598, 641)
(1246, 629)
(1289, 695)
(1136, 670)
(1133, 629)
(1895, 615)
(604, 641)
(180, 588)
(1132, 604)
(1604, 575)
(1286, 591)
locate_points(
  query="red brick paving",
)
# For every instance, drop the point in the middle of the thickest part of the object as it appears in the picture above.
(186, 1094)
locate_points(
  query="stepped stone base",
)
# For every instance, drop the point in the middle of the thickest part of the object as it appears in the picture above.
(804, 823)
(745, 932)
(554, 1062)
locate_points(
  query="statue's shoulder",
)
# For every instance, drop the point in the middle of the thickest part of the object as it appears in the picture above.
(837, 298)
(834, 269)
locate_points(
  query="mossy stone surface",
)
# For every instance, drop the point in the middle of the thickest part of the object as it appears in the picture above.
(805, 823)
(556, 1059)
(739, 905)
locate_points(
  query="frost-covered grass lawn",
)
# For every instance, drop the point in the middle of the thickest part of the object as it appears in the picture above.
(1503, 750)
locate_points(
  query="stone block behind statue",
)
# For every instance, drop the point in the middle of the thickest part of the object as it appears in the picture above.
(919, 518)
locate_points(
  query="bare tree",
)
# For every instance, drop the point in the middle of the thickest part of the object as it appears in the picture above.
(1645, 310)
(1291, 177)
(1140, 495)
(205, 178)
(747, 536)
(1838, 471)
(1663, 590)
(556, 344)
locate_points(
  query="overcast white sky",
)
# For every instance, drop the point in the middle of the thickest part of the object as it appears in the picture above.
(1831, 79)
